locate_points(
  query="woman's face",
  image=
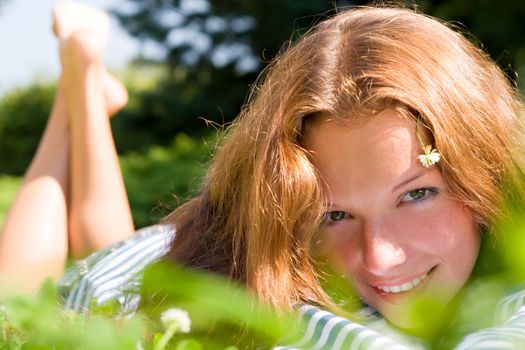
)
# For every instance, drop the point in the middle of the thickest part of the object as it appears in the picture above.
(392, 226)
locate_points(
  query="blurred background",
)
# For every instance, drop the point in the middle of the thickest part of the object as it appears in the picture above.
(188, 65)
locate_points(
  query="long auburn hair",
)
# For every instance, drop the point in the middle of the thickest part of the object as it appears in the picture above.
(262, 199)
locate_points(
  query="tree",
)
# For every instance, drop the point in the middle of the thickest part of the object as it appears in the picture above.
(496, 26)
(213, 51)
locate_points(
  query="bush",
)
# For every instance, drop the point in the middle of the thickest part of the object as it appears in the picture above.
(24, 112)
(153, 178)
(23, 115)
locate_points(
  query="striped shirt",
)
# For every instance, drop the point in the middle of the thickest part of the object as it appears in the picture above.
(114, 275)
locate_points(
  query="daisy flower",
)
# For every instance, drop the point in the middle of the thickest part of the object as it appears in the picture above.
(430, 157)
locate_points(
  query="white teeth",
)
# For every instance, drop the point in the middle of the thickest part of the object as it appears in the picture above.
(405, 286)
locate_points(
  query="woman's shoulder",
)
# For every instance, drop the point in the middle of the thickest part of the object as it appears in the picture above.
(112, 274)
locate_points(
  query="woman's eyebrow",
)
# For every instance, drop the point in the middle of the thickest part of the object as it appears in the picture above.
(409, 180)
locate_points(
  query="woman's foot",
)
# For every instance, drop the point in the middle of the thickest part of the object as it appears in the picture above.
(70, 17)
(82, 32)
(115, 94)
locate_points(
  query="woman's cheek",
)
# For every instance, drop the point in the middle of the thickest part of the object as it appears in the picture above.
(339, 246)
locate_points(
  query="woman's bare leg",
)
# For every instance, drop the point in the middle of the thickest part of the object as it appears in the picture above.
(99, 212)
(34, 239)
(33, 242)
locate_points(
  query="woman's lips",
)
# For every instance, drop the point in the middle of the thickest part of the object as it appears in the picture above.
(384, 290)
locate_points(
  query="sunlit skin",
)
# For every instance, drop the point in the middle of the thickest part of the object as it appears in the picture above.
(389, 219)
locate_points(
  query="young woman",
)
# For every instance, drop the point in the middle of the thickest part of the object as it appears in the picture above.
(382, 145)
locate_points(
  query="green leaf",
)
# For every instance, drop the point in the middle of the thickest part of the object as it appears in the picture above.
(156, 338)
(189, 344)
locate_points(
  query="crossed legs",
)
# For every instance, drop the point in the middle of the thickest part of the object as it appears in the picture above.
(72, 200)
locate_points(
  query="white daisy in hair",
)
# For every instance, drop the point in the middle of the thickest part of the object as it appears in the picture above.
(430, 156)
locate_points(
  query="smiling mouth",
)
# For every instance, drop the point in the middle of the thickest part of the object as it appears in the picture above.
(405, 287)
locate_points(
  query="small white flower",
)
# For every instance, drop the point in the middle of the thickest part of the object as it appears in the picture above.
(178, 318)
(430, 157)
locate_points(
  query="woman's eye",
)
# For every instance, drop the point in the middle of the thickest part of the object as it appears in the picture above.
(334, 216)
(418, 194)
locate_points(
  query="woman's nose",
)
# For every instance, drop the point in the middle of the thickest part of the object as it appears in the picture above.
(381, 251)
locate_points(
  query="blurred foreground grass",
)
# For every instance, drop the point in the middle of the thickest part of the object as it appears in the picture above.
(40, 322)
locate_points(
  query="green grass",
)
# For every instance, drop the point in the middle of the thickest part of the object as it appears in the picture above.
(8, 187)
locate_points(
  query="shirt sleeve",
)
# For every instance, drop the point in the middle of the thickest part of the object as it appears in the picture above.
(114, 273)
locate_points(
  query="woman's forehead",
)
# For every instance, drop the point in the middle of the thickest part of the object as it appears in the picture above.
(364, 127)
(359, 115)
(380, 149)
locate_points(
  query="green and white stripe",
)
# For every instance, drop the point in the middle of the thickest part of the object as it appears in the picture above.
(115, 272)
